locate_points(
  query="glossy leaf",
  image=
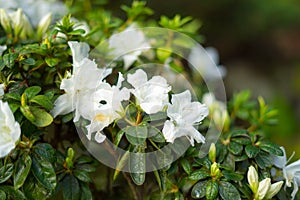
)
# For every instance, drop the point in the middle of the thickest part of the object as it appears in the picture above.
(199, 174)
(212, 190)
(228, 191)
(136, 135)
(199, 190)
(6, 171)
(251, 151)
(71, 188)
(22, 170)
(43, 172)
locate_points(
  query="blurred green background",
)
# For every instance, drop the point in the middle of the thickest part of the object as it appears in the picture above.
(259, 44)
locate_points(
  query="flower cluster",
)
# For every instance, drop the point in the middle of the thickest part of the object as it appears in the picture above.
(262, 189)
(91, 97)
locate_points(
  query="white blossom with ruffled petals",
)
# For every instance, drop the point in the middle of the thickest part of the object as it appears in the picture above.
(128, 44)
(151, 95)
(107, 112)
(184, 115)
(291, 172)
(80, 86)
(9, 130)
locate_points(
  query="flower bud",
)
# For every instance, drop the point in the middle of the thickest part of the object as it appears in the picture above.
(252, 179)
(18, 21)
(5, 21)
(215, 171)
(71, 153)
(27, 27)
(263, 188)
(273, 190)
(212, 152)
(43, 25)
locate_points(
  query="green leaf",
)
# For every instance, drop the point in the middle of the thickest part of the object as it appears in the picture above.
(28, 61)
(25, 110)
(264, 160)
(186, 166)
(155, 135)
(136, 135)
(199, 174)
(82, 175)
(34, 190)
(86, 193)
(22, 170)
(239, 133)
(32, 91)
(13, 95)
(119, 137)
(228, 191)
(42, 101)
(6, 171)
(45, 151)
(51, 62)
(11, 193)
(199, 190)
(42, 118)
(241, 140)
(9, 59)
(138, 166)
(77, 32)
(232, 176)
(121, 163)
(251, 151)
(71, 188)
(235, 148)
(2, 195)
(43, 172)
(271, 148)
(212, 188)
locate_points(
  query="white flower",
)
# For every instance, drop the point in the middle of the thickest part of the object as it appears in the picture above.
(2, 86)
(2, 49)
(80, 86)
(290, 172)
(36, 9)
(9, 130)
(217, 111)
(129, 44)
(80, 50)
(263, 189)
(204, 60)
(151, 95)
(44, 24)
(184, 114)
(109, 109)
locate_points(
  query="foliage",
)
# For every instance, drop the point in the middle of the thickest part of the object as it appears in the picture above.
(44, 164)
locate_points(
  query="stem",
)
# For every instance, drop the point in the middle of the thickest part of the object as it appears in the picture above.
(131, 185)
(128, 179)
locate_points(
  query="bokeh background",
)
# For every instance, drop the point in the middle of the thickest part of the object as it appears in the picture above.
(259, 44)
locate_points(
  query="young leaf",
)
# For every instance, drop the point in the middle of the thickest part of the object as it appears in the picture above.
(32, 91)
(212, 189)
(42, 101)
